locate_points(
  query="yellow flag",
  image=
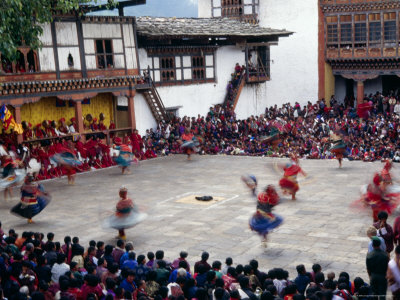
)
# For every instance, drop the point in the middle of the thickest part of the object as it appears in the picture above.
(17, 127)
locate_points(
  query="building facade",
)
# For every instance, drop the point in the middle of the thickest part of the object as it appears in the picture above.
(130, 72)
(361, 47)
(88, 66)
(294, 61)
(191, 61)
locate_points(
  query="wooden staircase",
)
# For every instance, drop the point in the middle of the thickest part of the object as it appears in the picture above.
(236, 93)
(154, 101)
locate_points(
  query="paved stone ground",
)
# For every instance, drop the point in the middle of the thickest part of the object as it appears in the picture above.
(318, 228)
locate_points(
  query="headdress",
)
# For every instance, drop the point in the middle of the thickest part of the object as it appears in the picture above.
(117, 141)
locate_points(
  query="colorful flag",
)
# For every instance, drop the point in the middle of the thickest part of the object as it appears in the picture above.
(5, 116)
(7, 119)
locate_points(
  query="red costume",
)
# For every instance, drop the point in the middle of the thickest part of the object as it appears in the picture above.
(289, 183)
(380, 194)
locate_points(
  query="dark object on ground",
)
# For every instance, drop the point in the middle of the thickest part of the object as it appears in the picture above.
(204, 198)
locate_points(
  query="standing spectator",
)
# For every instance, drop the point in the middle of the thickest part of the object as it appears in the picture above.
(393, 274)
(141, 269)
(182, 256)
(203, 261)
(228, 263)
(118, 251)
(59, 268)
(385, 230)
(371, 233)
(377, 264)
(302, 279)
(397, 108)
(396, 231)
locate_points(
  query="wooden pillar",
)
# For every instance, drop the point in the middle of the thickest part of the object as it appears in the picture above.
(79, 119)
(19, 121)
(131, 110)
(360, 92)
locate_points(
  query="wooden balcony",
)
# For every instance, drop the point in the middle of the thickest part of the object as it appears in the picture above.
(334, 53)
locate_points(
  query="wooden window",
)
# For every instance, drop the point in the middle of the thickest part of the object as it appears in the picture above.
(360, 31)
(346, 18)
(332, 33)
(6, 65)
(360, 18)
(389, 26)
(374, 17)
(104, 54)
(345, 33)
(167, 68)
(333, 19)
(374, 29)
(390, 30)
(360, 34)
(26, 61)
(32, 61)
(198, 68)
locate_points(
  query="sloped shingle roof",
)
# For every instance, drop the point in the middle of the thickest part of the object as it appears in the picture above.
(205, 27)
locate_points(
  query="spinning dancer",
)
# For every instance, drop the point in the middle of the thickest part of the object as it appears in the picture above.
(126, 215)
(189, 143)
(67, 158)
(289, 183)
(11, 175)
(263, 220)
(338, 148)
(125, 156)
(381, 194)
(33, 199)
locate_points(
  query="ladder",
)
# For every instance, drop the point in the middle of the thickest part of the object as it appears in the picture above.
(155, 103)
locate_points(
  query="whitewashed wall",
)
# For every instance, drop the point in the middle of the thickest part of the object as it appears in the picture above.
(91, 32)
(340, 88)
(130, 46)
(67, 43)
(46, 54)
(144, 117)
(294, 62)
(196, 99)
(204, 8)
(123, 40)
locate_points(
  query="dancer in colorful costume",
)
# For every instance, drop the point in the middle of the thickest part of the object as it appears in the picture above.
(34, 199)
(67, 158)
(189, 143)
(338, 147)
(263, 220)
(126, 215)
(11, 175)
(125, 157)
(289, 183)
(381, 194)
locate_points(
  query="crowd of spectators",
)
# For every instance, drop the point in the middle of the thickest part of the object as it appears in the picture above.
(303, 130)
(34, 268)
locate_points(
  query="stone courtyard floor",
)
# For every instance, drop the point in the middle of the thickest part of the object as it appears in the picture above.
(319, 227)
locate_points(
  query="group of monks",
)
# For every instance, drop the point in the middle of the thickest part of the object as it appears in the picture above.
(94, 153)
(51, 128)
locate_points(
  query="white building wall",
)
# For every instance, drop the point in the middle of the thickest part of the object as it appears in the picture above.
(340, 88)
(196, 99)
(294, 62)
(144, 117)
(204, 8)
(46, 54)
